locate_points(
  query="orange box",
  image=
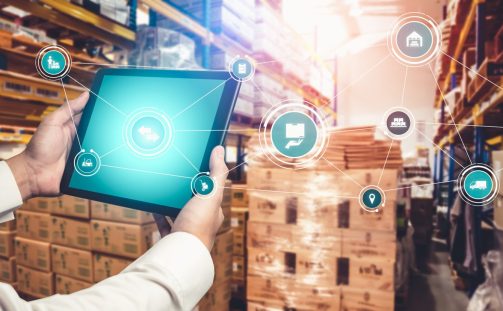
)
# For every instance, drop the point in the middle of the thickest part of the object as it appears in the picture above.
(40, 204)
(354, 299)
(105, 211)
(33, 254)
(238, 268)
(35, 283)
(34, 225)
(70, 206)
(66, 285)
(106, 266)
(222, 257)
(8, 270)
(72, 262)
(8, 226)
(239, 196)
(239, 217)
(70, 232)
(7, 244)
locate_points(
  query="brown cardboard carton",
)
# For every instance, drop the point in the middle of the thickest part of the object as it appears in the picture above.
(70, 206)
(33, 254)
(8, 226)
(106, 266)
(277, 179)
(305, 305)
(34, 283)
(354, 179)
(239, 217)
(355, 299)
(105, 211)
(8, 270)
(40, 204)
(369, 274)
(239, 196)
(303, 266)
(72, 262)
(7, 244)
(383, 220)
(226, 199)
(238, 268)
(277, 292)
(217, 298)
(71, 232)
(239, 243)
(369, 244)
(66, 285)
(126, 240)
(226, 208)
(34, 225)
(238, 289)
(222, 257)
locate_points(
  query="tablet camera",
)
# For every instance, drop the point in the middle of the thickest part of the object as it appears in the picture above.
(203, 185)
(87, 163)
(148, 133)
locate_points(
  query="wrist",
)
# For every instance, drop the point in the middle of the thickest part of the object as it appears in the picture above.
(20, 169)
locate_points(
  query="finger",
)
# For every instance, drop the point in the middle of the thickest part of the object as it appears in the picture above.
(218, 169)
(74, 106)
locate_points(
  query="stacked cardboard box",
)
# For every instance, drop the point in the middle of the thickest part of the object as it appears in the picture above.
(219, 295)
(239, 219)
(311, 245)
(7, 253)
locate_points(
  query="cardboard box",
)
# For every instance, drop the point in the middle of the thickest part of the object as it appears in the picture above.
(222, 257)
(126, 240)
(276, 293)
(239, 243)
(369, 274)
(33, 254)
(239, 196)
(70, 206)
(105, 211)
(238, 289)
(8, 226)
(66, 285)
(353, 216)
(226, 208)
(365, 177)
(8, 270)
(106, 266)
(308, 267)
(369, 244)
(239, 217)
(40, 204)
(355, 299)
(34, 283)
(72, 262)
(217, 298)
(34, 225)
(298, 306)
(7, 244)
(238, 268)
(70, 232)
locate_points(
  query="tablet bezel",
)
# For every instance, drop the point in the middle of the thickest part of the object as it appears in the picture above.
(222, 121)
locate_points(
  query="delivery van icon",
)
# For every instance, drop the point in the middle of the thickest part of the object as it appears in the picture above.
(478, 184)
(294, 133)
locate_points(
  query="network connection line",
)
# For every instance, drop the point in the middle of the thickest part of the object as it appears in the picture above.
(439, 148)
(186, 159)
(70, 111)
(385, 162)
(111, 151)
(295, 192)
(144, 171)
(422, 185)
(460, 124)
(343, 173)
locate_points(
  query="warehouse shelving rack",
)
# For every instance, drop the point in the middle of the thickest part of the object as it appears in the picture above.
(474, 123)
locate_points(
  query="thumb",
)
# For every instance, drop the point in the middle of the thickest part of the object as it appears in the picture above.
(218, 169)
(65, 113)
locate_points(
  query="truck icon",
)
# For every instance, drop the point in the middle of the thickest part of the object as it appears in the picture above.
(478, 184)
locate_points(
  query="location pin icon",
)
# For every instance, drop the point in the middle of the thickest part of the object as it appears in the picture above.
(372, 198)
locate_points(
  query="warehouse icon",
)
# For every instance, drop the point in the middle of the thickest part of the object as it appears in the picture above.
(414, 40)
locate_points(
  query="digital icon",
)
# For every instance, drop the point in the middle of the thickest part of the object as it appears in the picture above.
(87, 163)
(371, 198)
(399, 123)
(241, 68)
(478, 184)
(53, 62)
(202, 185)
(414, 40)
(294, 134)
(148, 132)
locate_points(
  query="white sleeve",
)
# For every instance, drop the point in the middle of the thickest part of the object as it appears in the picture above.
(10, 197)
(173, 275)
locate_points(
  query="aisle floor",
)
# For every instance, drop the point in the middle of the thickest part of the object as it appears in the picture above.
(435, 290)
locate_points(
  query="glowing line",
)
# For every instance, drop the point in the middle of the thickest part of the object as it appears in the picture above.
(386, 161)
(115, 149)
(439, 148)
(292, 192)
(430, 184)
(186, 159)
(71, 114)
(351, 178)
(263, 93)
(460, 124)
(404, 84)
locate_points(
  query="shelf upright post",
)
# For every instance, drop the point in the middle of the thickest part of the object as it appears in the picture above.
(452, 172)
(206, 57)
(240, 158)
(133, 6)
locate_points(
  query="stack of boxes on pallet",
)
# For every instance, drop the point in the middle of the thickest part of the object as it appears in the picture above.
(239, 219)
(219, 295)
(310, 244)
(7, 254)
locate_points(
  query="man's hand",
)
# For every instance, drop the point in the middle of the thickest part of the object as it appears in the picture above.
(38, 169)
(203, 216)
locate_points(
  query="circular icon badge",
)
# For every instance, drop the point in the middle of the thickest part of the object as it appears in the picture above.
(293, 134)
(415, 39)
(87, 163)
(53, 62)
(371, 198)
(242, 68)
(478, 184)
(202, 185)
(148, 132)
(399, 123)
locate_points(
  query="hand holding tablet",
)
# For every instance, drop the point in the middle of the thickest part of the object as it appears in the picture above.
(146, 136)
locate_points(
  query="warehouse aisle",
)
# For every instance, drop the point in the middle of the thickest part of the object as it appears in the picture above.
(435, 290)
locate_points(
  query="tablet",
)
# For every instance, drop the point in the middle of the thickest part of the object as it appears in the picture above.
(146, 135)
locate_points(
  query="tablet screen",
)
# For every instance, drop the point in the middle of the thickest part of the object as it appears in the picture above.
(145, 137)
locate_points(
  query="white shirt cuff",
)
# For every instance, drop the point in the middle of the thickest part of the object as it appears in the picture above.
(9, 193)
